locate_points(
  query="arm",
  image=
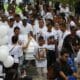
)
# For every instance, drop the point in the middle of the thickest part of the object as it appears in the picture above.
(59, 71)
(26, 46)
(63, 75)
(36, 51)
(75, 75)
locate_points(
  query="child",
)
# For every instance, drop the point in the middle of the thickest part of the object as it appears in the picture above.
(41, 61)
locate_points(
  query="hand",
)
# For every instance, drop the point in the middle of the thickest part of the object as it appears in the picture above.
(37, 59)
(66, 78)
(30, 38)
(19, 42)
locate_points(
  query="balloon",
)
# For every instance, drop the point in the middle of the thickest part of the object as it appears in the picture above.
(4, 52)
(3, 30)
(8, 62)
(1, 78)
(4, 40)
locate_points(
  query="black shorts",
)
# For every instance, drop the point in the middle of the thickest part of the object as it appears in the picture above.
(51, 58)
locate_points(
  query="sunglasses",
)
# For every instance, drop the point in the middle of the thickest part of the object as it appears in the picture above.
(66, 56)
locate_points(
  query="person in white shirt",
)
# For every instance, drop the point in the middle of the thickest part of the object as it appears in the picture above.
(26, 28)
(41, 61)
(42, 12)
(10, 12)
(16, 50)
(16, 32)
(18, 21)
(51, 31)
(11, 29)
(65, 10)
(71, 22)
(21, 37)
(29, 52)
(62, 34)
(40, 30)
(49, 14)
(3, 20)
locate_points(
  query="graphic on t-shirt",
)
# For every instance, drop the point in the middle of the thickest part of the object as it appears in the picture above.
(41, 53)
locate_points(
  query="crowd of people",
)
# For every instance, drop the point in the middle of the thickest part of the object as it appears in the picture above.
(42, 36)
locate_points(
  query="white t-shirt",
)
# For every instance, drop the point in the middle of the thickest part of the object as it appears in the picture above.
(16, 52)
(49, 15)
(18, 24)
(21, 38)
(41, 63)
(37, 29)
(66, 11)
(52, 33)
(50, 47)
(48, 34)
(4, 23)
(26, 29)
(61, 38)
(10, 31)
(40, 31)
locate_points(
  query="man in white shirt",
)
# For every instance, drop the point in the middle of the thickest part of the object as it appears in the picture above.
(51, 31)
(11, 29)
(62, 34)
(40, 30)
(18, 21)
(26, 28)
(20, 36)
(65, 9)
(3, 20)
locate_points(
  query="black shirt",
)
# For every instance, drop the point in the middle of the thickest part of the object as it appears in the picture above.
(64, 67)
(70, 42)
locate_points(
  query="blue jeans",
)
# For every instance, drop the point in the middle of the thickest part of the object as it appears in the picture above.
(69, 78)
